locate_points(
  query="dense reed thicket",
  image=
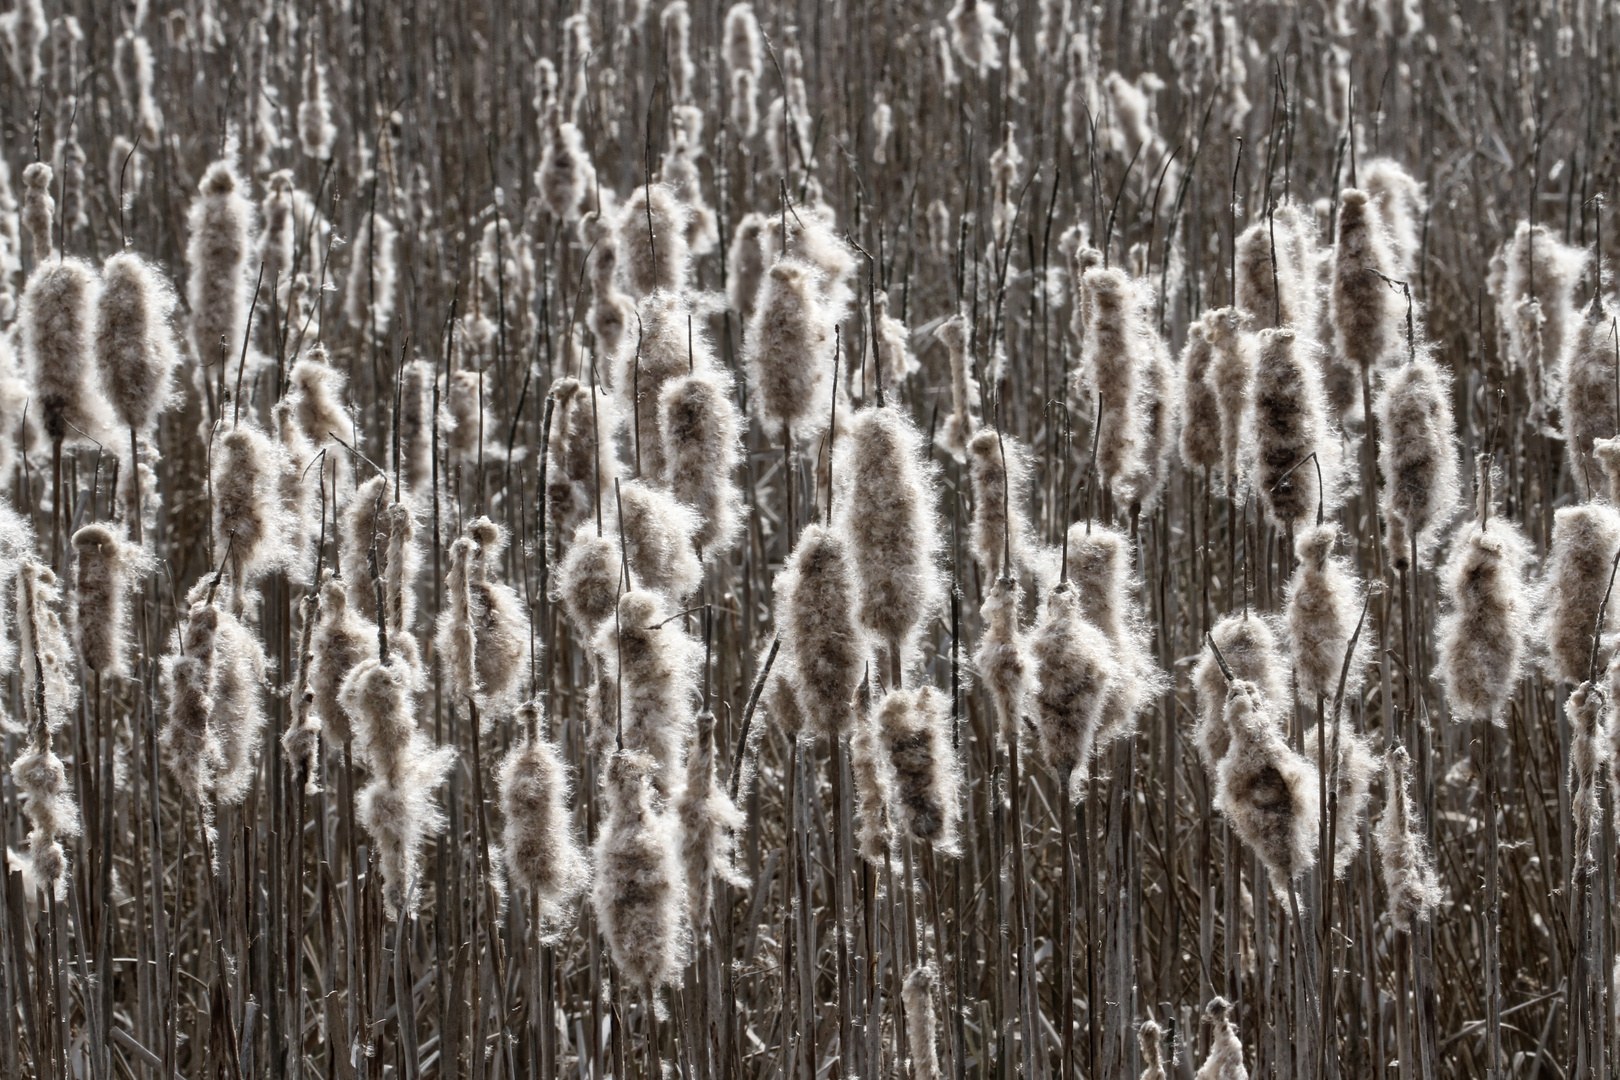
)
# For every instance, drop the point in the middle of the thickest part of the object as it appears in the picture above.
(821, 540)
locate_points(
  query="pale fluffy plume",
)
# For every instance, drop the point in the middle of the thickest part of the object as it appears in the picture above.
(1225, 1058)
(669, 343)
(540, 849)
(1148, 1039)
(812, 232)
(278, 234)
(216, 262)
(702, 450)
(1290, 424)
(397, 805)
(917, 997)
(781, 700)
(135, 349)
(1249, 647)
(640, 893)
(1403, 854)
(658, 534)
(817, 611)
(588, 581)
(652, 666)
(1000, 515)
(1074, 674)
(316, 390)
(1401, 206)
(482, 633)
(104, 569)
(1231, 372)
(236, 685)
(1113, 354)
(1532, 280)
(1109, 592)
(1356, 766)
(190, 745)
(462, 421)
(974, 29)
(45, 659)
(960, 426)
(1200, 410)
(789, 349)
(316, 132)
(709, 824)
(612, 311)
(1159, 406)
(663, 260)
(38, 208)
(57, 319)
(1588, 753)
(1417, 457)
(873, 772)
(341, 639)
(246, 474)
(915, 729)
(1001, 658)
(1267, 792)
(565, 175)
(577, 457)
(416, 426)
(297, 492)
(886, 507)
(368, 303)
(1481, 639)
(41, 781)
(745, 265)
(1366, 313)
(1584, 541)
(1590, 410)
(1323, 607)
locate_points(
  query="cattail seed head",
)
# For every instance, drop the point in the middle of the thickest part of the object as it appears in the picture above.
(38, 209)
(887, 509)
(1290, 424)
(1200, 411)
(663, 260)
(1074, 675)
(246, 472)
(702, 450)
(1401, 205)
(917, 998)
(1108, 591)
(652, 667)
(709, 824)
(914, 727)
(540, 849)
(640, 893)
(658, 534)
(1417, 456)
(1001, 658)
(216, 261)
(1533, 282)
(482, 633)
(135, 349)
(1482, 636)
(103, 568)
(1000, 488)
(1148, 1038)
(1403, 854)
(817, 609)
(589, 581)
(873, 771)
(1588, 753)
(745, 265)
(789, 348)
(341, 639)
(1322, 612)
(57, 318)
(1113, 348)
(959, 427)
(1584, 541)
(368, 303)
(316, 132)
(236, 685)
(974, 29)
(1267, 792)
(41, 781)
(1356, 766)
(1249, 647)
(1366, 313)
(743, 48)
(1231, 373)
(565, 175)
(1225, 1058)
(1589, 404)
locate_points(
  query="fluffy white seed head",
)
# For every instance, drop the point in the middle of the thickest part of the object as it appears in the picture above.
(702, 450)
(1200, 411)
(368, 300)
(1366, 312)
(57, 318)
(482, 633)
(651, 666)
(1001, 658)
(1584, 541)
(1289, 422)
(818, 612)
(1075, 672)
(1225, 1058)
(104, 568)
(1249, 648)
(1482, 636)
(540, 849)
(1418, 457)
(915, 729)
(655, 257)
(135, 348)
(960, 426)
(1230, 376)
(709, 825)
(789, 349)
(1267, 792)
(1356, 766)
(917, 998)
(216, 264)
(340, 640)
(1403, 854)
(1323, 608)
(247, 469)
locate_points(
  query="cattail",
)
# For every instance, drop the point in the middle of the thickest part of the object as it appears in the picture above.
(415, 459)
(1148, 1038)
(745, 103)
(680, 171)
(894, 339)
(873, 771)
(1322, 614)
(925, 775)
(676, 22)
(702, 450)
(1113, 351)
(216, 261)
(1588, 753)
(1225, 1058)
(817, 609)
(745, 265)
(379, 542)
(135, 350)
(1365, 311)
(368, 303)
(611, 311)
(789, 348)
(23, 29)
(246, 472)
(1257, 288)
(236, 681)
(41, 781)
(1075, 673)
(341, 639)
(658, 535)
(1249, 647)
(1000, 520)
(588, 581)
(58, 319)
(1230, 374)
(397, 805)
(1589, 403)
(45, 658)
(1001, 659)
(1533, 282)
(1200, 410)
(1606, 452)
(1417, 457)
(709, 823)
(667, 346)
(316, 389)
(464, 416)
(917, 998)
(565, 175)
(1159, 408)
(1403, 854)
(974, 29)
(781, 699)
(278, 233)
(38, 208)
(1267, 792)
(482, 634)
(1401, 206)
(1579, 564)
(1481, 639)
(959, 427)
(813, 237)
(190, 743)
(1107, 590)
(640, 893)
(572, 461)
(661, 260)
(316, 132)
(1355, 770)
(1290, 425)
(540, 849)
(103, 567)
(651, 666)
(887, 509)
(743, 49)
